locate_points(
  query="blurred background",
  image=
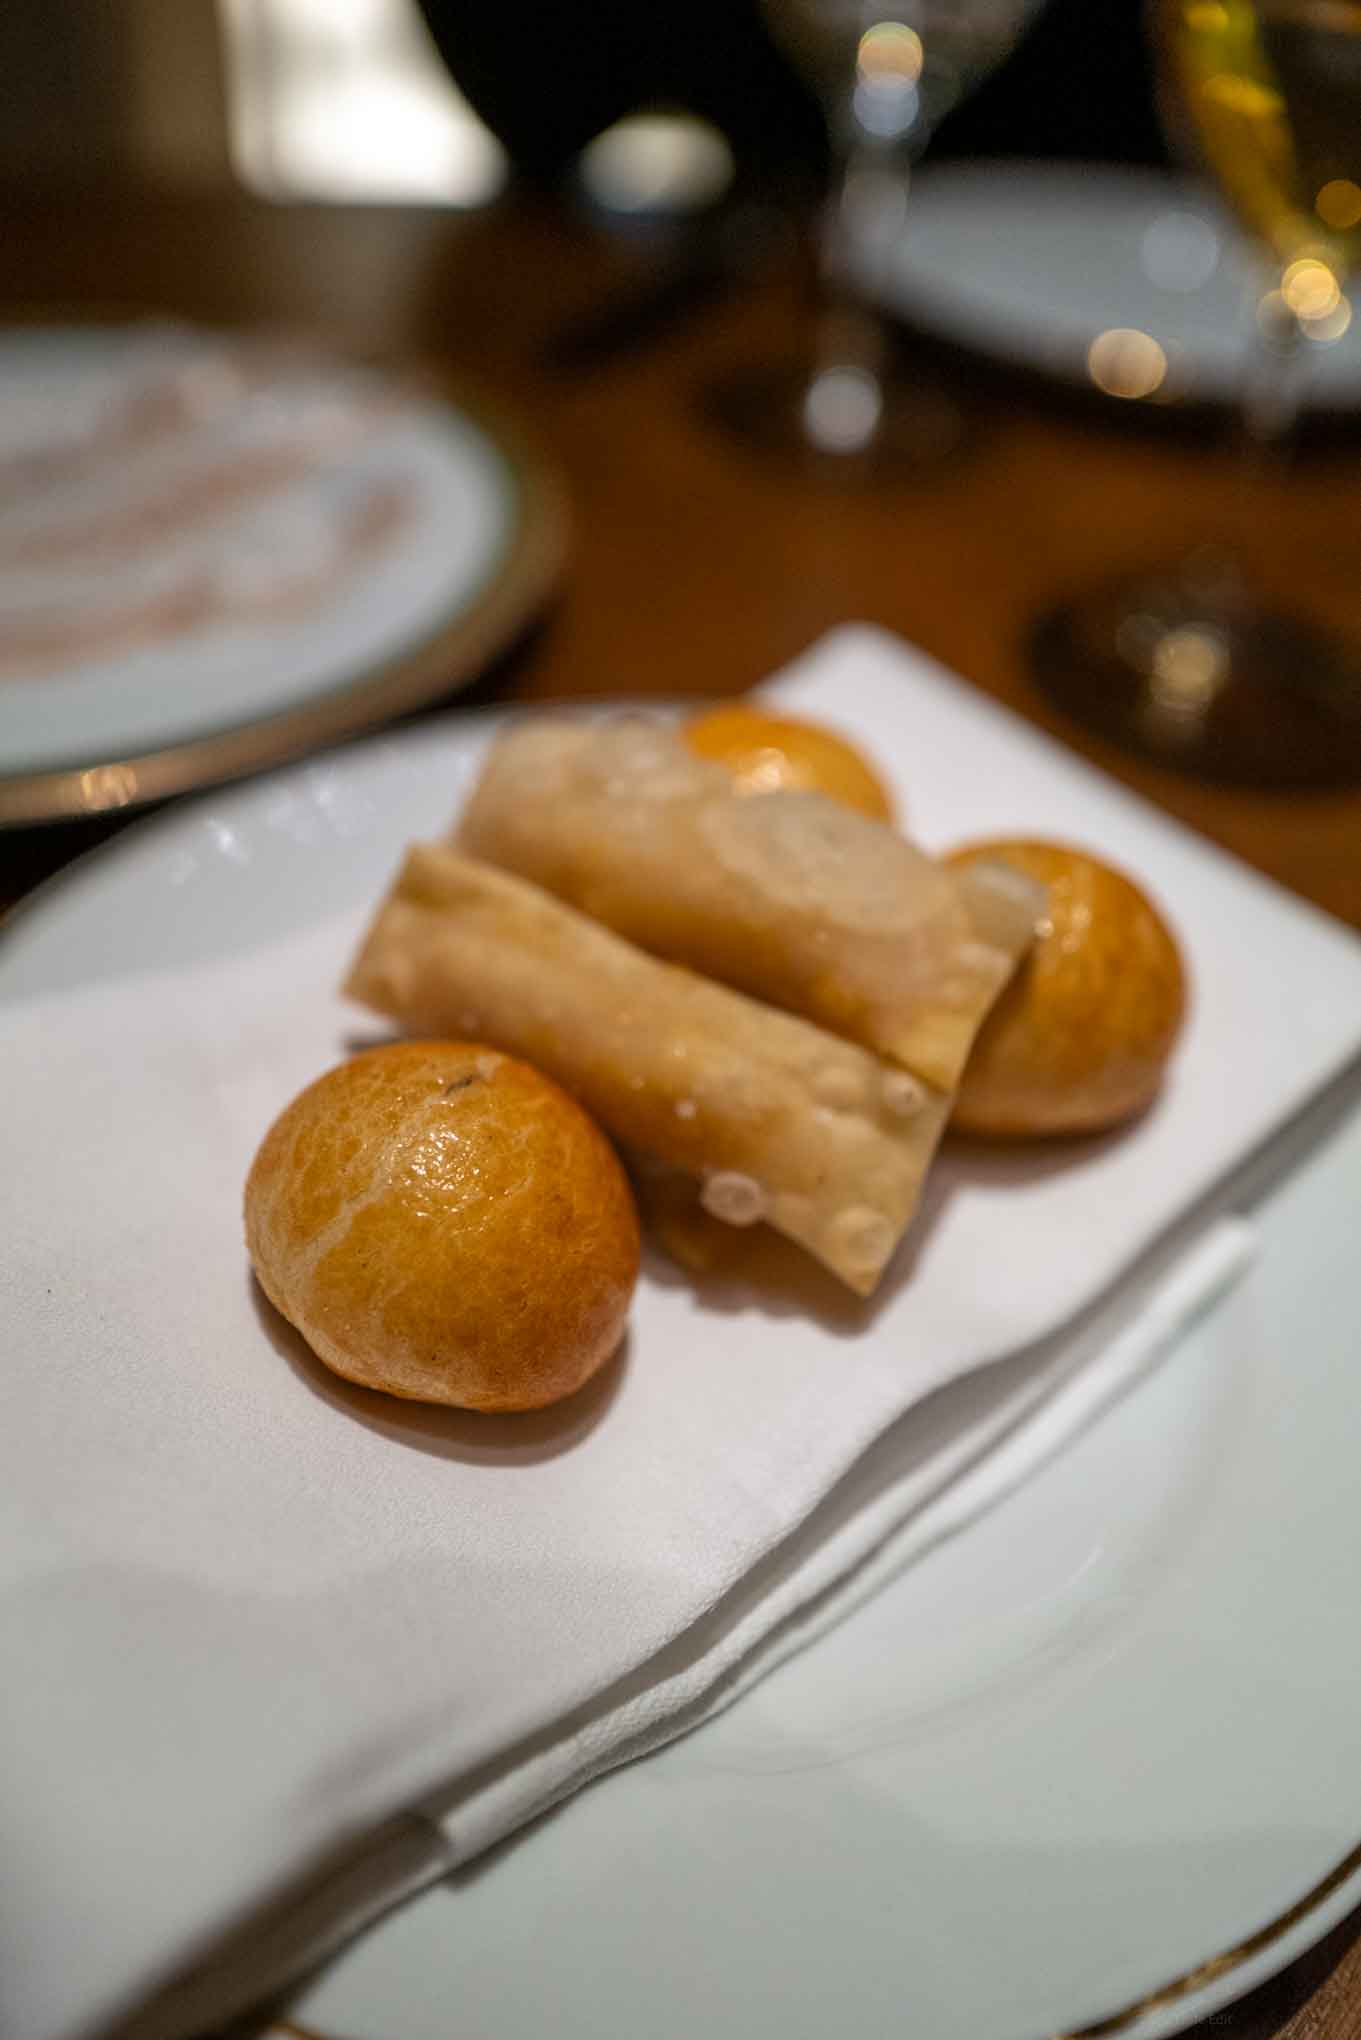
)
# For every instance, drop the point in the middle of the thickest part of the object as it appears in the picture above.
(514, 199)
(662, 107)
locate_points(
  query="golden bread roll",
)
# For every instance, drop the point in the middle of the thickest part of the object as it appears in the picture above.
(443, 1223)
(774, 754)
(1079, 1040)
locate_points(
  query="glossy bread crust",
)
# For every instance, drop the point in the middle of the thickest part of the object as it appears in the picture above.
(778, 753)
(443, 1223)
(1080, 1039)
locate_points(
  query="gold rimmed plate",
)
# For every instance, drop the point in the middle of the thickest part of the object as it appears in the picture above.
(217, 555)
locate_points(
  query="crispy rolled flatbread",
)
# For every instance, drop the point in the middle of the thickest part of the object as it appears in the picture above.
(790, 897)
(778, 1119)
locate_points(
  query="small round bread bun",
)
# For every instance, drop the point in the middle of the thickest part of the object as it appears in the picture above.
(773, 754)
(441, 1222)
(1080, 1038)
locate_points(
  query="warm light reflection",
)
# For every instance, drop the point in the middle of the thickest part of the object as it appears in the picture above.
(107, 786)
(767, 771)
(1338, 204)
(1209, 17)
(890, 50)
(1245, 96)
(1310, 288)
(888, 64)
(1126, 363)
(1187, 669)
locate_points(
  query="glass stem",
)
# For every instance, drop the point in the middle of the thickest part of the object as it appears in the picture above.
(852, 240)
(1273, 394)
(1264, 424)
(867, 200)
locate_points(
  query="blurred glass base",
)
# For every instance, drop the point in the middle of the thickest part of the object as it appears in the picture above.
(1190, 670)
(843, 421)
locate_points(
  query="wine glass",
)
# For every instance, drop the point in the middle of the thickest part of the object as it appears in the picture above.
(1190, 665)
(886, 72)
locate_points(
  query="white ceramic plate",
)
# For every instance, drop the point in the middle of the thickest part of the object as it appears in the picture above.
(1031, 263)
(1103, 1738)
(1046, 1780)
(216, 555)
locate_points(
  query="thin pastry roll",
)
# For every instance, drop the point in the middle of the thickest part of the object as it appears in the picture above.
(790, 897)
(776, 1118)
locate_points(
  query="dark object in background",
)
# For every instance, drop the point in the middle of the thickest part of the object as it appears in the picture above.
(1080, 86)
(549, 75)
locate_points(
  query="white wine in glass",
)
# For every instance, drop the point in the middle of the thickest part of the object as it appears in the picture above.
(1191, 666)
(1272, 93)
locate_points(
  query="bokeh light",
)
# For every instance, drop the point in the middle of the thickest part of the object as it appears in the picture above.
(657, 162)
(888, 65)
(842, 408)
(890, 50)
(1310, 288)
(1338, 204)
(1123, 362)
(1332, 325)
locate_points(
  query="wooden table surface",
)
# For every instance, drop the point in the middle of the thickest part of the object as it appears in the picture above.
(698, 564)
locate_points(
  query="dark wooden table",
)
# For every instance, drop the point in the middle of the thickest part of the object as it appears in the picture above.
(697, 564)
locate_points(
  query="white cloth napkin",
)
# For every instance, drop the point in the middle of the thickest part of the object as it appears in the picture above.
(250, 1615)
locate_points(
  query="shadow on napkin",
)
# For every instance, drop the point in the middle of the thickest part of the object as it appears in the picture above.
(515, 1439)
(771, 1275)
